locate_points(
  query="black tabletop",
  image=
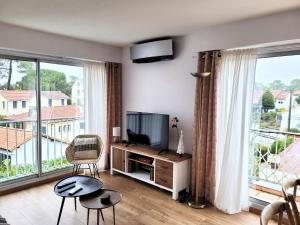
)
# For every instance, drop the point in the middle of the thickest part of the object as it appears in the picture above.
(89, 185)
(94, 202)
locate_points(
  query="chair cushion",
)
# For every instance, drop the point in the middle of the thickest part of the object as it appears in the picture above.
(85, 148)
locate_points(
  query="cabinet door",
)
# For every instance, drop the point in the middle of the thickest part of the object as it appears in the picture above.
(164, 173)
(119, 159)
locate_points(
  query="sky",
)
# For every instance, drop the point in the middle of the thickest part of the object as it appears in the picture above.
(284, 68)
(67, 70)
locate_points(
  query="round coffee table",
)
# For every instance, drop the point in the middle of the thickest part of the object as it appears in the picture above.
(94, 202)
(89, 186)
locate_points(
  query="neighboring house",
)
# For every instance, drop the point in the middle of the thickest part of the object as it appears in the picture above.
(14, 102)
(62, 122)
(295, 119)
(19, 146)
(282, 99)
(77, 93)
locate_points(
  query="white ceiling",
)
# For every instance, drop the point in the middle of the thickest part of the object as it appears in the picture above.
(120, 22)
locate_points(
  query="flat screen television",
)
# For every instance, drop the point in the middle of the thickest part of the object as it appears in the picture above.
(150, 129)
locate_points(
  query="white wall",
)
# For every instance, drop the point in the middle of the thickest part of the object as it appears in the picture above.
(167, 87)
(18, 38)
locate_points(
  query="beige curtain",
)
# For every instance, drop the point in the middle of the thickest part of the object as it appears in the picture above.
(114, 102)
(204, 132)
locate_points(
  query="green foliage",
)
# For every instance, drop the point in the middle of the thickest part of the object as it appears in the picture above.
(51, 80)
(294, 130)
(268, 101)
(298, 99)
(281, 144)
(268, 120)
(294, 85)
(7, 170)
(280, 110)
(277, 85)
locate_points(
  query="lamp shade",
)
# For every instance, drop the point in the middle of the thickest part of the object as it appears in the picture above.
(116, 131)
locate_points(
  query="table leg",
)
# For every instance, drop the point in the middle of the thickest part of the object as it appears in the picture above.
(75, 202)
(114, 215)
(98, 216)
(88, 216)
(90, 170)
(102, 215)
(61, 208)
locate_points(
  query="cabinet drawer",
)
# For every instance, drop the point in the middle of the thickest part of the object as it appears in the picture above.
(164, 167)
(164, 180)
(164, 173)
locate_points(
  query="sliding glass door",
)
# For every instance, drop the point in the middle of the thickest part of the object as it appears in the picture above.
(62, 102)
(41, 111)
(18, 119)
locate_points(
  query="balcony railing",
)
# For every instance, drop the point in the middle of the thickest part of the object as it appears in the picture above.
(267, 147)
(18, 148)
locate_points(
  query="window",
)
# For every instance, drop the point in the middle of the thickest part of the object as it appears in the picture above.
(56, 84)
(15, 104)
(275, 119)
(22, 126)
(49, 102)
(44, 130)
(23, 104)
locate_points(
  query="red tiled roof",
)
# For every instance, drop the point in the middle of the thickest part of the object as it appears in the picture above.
(12, 95)
(55, 95)
(296, 92)
(279, 94)
(54, 112)
(12, 138)
(18, 95)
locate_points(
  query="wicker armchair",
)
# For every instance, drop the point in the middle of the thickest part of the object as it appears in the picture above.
(70, 155)
(292, 184)
(278, 207)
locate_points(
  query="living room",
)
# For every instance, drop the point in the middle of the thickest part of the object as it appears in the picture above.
(110, 114)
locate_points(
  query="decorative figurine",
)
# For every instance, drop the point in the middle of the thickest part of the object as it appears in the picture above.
(180, 148)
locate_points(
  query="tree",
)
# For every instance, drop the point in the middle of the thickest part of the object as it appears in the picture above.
(6, 72)
(298, 99)
(51, 80)
(277, 85)
(294, 85)
(268, 101)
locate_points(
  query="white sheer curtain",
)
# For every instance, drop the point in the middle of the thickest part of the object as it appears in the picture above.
(95, 102)
(235, 88)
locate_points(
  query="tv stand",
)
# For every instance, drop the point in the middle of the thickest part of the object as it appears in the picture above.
(167, 171)
(163, 151)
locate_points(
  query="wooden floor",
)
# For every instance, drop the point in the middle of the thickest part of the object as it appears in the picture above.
(141, 204)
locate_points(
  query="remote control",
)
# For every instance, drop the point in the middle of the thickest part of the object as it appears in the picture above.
(75, 190)
(66, 188)
(65, 184)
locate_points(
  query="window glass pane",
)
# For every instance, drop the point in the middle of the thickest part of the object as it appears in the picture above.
(17, 119)
(275, 121)
(62, 103)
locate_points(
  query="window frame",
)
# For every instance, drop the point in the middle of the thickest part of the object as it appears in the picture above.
(270, 52)
(24, 104)
(14, 104)
(38, 59)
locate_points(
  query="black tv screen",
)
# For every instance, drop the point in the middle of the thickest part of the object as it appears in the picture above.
(149, 129)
